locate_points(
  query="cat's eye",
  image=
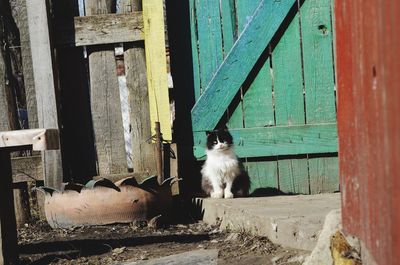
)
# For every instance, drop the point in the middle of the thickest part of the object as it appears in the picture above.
(215, 142)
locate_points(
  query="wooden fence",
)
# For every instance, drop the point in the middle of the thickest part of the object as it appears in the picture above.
(71, 59)
(266, 70)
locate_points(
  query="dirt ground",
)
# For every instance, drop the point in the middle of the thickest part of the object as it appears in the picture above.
(113, 244)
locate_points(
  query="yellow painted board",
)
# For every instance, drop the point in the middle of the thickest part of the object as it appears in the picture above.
(156, 64)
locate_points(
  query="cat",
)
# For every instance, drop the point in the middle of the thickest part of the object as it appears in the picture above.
(223, 175)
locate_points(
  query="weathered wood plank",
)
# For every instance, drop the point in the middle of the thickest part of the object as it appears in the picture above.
(40, 139)
(27, 67)
(319, 83)
(293, 175)
(279, 140)
(44, 85)
(288, 80)
(228, 23)
(143, 153)
(106, 103)
(195, 51)
(209, 38)
(156, 64)
(4, 124)
(244, 12)
(263, 174)
(289, 103)
(23, 168)
(237, 65)
(108, 28)
(324, 174)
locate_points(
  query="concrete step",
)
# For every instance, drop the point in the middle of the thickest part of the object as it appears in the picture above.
(290, 221)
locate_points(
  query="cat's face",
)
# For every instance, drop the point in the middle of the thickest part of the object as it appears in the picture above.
(219, 140)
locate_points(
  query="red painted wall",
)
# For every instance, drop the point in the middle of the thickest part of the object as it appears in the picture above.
(368, 78)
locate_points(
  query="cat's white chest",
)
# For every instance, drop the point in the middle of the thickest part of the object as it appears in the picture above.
(221, 165)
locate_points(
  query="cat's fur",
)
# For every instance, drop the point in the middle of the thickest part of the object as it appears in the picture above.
(223, 176)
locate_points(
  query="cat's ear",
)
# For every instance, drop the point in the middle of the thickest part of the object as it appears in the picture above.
(208, 133)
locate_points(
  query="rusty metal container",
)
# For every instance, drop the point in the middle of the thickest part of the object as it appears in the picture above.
(101, 202)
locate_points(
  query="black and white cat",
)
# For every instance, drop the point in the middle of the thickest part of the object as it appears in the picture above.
(223, 175)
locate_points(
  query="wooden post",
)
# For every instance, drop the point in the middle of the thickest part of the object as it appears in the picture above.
(44, 84)
(105, 101)
(156, 64)
(160, 175)
(8, 251)
(143, 152)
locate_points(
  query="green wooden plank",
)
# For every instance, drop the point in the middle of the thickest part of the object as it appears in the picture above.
(257, 101)
(195, 51)
(319, 85)
(210, 39)
(289, 103)
(292, 176)
(318, 61)
(324, 174)
(263, 174)
(228, 24)
(279, 140)
(244, 12)
(241, 59)
(288, 79)
(258, 106)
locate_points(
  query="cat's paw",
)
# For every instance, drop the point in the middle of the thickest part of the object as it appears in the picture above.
(228, 195)
(217, 195)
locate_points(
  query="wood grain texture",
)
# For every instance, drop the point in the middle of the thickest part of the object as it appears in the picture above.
(44, 85)
(368, 62)
(293, 176)
(263, 174)
(28, 165)
(237, 65)
(317, 37)
(27, 66)
(105, 103)
(143, 152)
(289, 103)
(209, 39)
(244, 13)
(288, 80)
(156, 64)
(4, 124)
(40, 139)
(194, 46)
(108, 28)
(279, 140)
(324, 174)
(228, 24)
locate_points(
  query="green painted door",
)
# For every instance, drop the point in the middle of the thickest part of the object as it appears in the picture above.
(265, 68)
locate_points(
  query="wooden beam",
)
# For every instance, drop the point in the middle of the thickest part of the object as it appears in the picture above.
(40, 139)
(106, 102)
(108, 28)
(156, 62)
(259, 32)
(278, 140)
(44, 85)
(143, 152)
